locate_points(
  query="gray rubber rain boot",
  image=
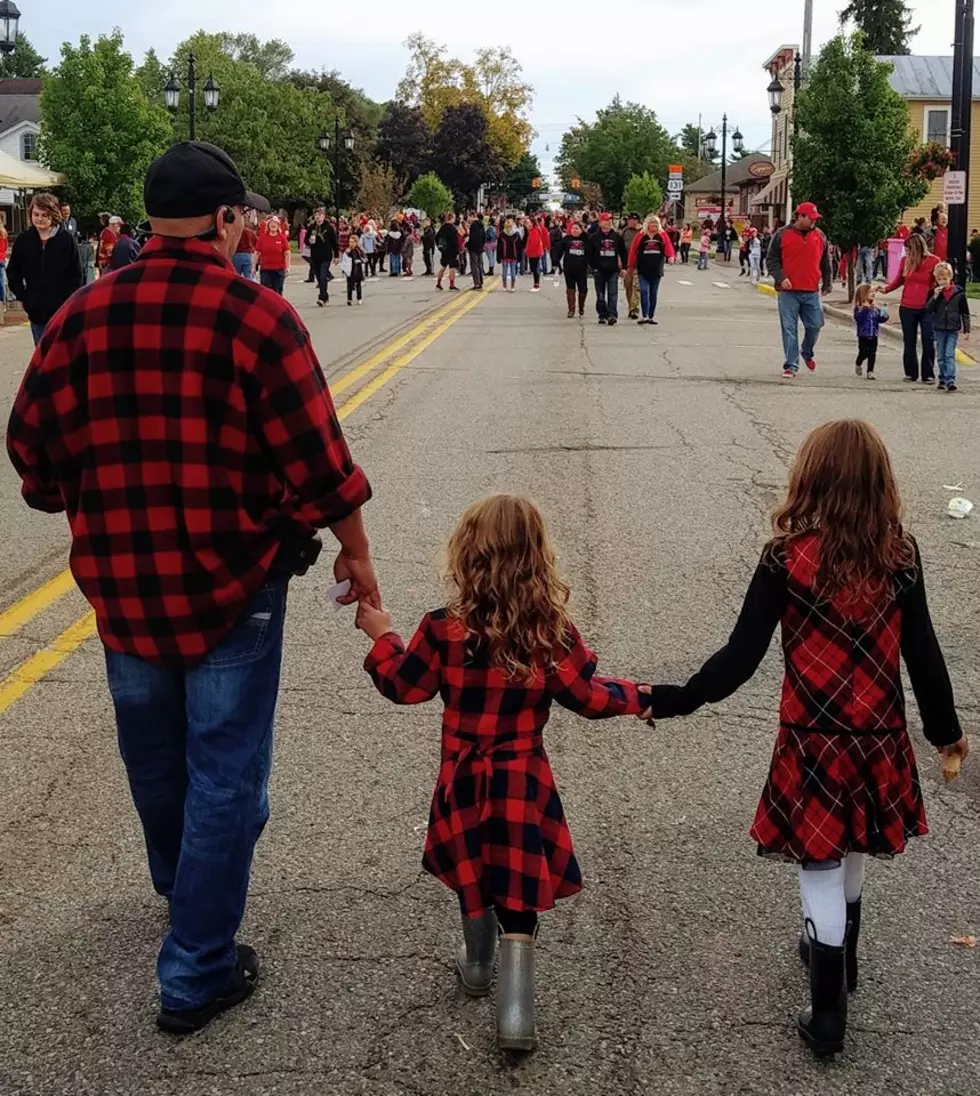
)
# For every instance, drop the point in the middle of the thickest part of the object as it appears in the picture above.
(515, 995)
(475, 960)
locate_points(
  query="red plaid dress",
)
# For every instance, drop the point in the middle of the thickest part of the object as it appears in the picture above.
(843, 776)
(497, 832)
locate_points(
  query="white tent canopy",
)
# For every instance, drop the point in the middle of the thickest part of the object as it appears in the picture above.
(21, 175)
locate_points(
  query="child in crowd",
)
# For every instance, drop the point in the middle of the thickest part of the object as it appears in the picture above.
(499, 655)
(755, 256)
(951, 314)
(352, 265)
(408, 249)
(509, 252)
(868, 317)
(704, 249)
(845, 580)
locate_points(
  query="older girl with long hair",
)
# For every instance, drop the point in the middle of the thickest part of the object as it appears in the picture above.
(499, 655)
(845, 581)
(917, 277)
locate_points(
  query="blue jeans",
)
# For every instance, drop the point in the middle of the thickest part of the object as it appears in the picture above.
(394, 264)
(197, 746)
(946, 355)
(508, 269)
(37, 330)
(649, 292)
(274, 279)
(703, 257)
(794, 306)
(242, 261)
(865, 270)
(912, 319)
(607, 294)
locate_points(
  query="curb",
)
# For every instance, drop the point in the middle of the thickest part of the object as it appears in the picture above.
(962, 358)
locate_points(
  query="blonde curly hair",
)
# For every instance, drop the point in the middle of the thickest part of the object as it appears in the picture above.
(505, 586)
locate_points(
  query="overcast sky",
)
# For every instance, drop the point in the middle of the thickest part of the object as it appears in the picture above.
(642, 56)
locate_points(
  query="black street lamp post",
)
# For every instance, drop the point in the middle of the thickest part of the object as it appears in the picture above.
(711, 144)
(325, 143)
(960, 131)
(171, 94)
(9, 20)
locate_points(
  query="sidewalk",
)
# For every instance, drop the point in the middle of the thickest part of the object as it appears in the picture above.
(837, 306)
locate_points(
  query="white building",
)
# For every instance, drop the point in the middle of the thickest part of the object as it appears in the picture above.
(20, 125)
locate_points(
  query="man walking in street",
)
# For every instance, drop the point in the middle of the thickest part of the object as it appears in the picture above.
(607, 257)
(447, 240)
(179, 416)
(474, 245)
(799, 262)
(324, 248)
(631, 281)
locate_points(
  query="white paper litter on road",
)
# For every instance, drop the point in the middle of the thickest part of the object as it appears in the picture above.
(462, 1042)
(685, 283)
(722, 285)
(953, 486)
(959, 507)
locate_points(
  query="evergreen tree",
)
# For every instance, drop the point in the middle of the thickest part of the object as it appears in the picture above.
(886, 25)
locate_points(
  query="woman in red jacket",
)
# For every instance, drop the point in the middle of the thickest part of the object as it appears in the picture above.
(536, 242)
(918, 280)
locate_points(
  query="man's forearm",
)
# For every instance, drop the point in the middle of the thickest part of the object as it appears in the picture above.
(351, 534)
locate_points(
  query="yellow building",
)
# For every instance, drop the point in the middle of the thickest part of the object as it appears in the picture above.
(774, 201)
(926, 84)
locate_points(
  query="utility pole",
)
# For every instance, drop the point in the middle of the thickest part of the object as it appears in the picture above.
(807, 35)
(961, 117)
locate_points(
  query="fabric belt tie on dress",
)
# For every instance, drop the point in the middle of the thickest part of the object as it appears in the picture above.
(478, 760)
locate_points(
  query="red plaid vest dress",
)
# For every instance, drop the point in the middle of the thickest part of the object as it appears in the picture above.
(497, 833)
(843, 776)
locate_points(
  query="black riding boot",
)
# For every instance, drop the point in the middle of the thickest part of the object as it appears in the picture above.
(823, 1024)
(850, 945)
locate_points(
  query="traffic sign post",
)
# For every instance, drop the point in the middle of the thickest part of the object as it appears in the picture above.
(675, 185)
(954, 188)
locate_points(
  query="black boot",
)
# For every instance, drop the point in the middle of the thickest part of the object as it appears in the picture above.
(850, 945)
(823, 1024)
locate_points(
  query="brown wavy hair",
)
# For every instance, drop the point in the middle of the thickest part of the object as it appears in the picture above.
(504, 583)
(842, 487)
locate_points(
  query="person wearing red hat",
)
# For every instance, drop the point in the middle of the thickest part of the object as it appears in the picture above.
(607, 258)
(799, 262)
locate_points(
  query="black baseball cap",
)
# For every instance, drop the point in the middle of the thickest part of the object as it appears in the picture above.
(634, 217)
(193, 178)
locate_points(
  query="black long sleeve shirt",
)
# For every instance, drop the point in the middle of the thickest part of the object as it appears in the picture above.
(764, 606)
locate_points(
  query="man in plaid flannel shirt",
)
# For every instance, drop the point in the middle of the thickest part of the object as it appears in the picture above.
(177, 413)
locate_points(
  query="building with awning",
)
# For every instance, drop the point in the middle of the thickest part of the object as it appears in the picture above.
(745, 179)
(20, 129)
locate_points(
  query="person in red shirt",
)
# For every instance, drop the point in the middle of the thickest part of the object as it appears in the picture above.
(179, 417)
(799, 262)
(272, 248)
(917, 278)
(939, 238)
(244, 257)
(111, 227)
(536, 243)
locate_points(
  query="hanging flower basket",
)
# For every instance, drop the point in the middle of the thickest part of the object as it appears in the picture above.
(931, 161)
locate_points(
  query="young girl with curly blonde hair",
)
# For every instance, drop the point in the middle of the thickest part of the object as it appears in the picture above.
(500, 653)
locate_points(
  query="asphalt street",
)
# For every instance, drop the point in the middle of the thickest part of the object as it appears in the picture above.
(657, 454)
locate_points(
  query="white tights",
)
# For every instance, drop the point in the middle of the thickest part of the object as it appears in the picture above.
(825, 890)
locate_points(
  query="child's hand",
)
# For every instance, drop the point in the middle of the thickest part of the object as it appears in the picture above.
(646, 715)
(374, 622)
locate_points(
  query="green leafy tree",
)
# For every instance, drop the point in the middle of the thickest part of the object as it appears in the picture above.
(404, 141)
(265, 123)
(886, 24)
(23, 62)
(462, 155)
(856, 140)
(519, 179)
(643, 194)
(431, 194)
(624, 140)
(99, 128)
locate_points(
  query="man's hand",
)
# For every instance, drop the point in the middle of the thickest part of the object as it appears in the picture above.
(825, 292)
(374, 622)
(786, 284)
(363, 580)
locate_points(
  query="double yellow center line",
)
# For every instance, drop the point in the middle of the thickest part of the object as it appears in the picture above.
(395, 356)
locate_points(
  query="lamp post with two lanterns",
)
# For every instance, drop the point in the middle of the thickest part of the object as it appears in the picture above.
(711, 145)
(347, 142)
(171, 94)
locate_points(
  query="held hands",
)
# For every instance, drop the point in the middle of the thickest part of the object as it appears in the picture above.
(953, 757)
(363, 580)
(373, 621)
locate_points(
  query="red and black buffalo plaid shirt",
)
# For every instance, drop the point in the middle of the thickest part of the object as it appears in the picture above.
(179, 416)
